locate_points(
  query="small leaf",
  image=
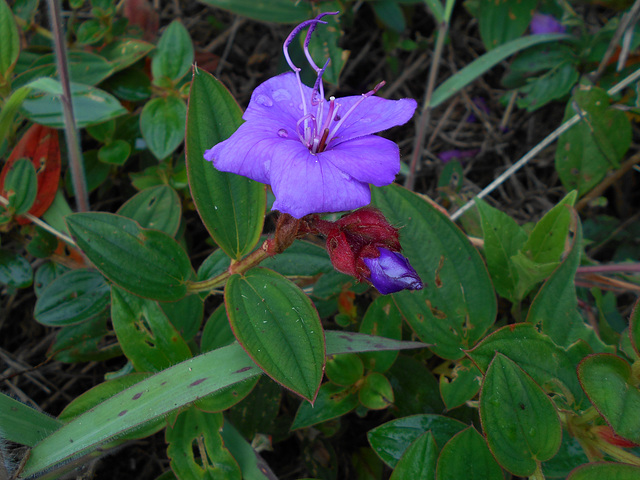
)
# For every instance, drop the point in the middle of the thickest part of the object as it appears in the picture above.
(200, 432)
(155, 207)
(418, 460)
(392, 439)
(146, 262)
(90, 32)
(376, 392)
(162, 124)
(382, 318)
(413, 397)
(147, 337)
(231, 206)
(15, 271)
(521, 423)
(478, 463)
(124, 52)
(20, 185)
(345, 369)
(463, 385)
(332, 401)
(607, 381)
(505, 20)
(115, 153)
(276, 323)
(74, 297)
(174, 55)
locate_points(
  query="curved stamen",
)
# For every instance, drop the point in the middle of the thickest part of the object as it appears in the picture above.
(307, 40)
(336, 127)
(309, 132)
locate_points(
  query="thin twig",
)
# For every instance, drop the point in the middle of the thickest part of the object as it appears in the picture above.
(538, 148)
(70, 130)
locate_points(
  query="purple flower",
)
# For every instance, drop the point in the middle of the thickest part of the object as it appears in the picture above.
(391, 272)
(541, 23)
(317, 155)
(449, 155)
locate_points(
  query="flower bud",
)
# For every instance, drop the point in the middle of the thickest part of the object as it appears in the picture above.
(391, 272)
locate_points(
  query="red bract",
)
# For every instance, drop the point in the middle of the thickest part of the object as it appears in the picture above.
(606, 433)
(40, 145)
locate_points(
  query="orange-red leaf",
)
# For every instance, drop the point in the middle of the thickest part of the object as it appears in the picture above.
(40, 145)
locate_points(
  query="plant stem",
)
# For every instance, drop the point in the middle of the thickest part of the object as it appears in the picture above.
(70, 130)
(615, 268)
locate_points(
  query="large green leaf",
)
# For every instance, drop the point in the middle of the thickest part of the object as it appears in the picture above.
(90, 105)
(418, 460)
(278, 326)
(519, 419)
(10, 42)
(273, 11)
(611, 387)
(231, 207)
(162, 393)
(478, 463)
(458, 304)
(143, 261)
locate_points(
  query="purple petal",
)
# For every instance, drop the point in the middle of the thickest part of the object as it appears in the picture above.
(373, 115)
(249, 151)
(303, 183)
(541, 23)
(369, 159)
(278, 100)
(391, 272)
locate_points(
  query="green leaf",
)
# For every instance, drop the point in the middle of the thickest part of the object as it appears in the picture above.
(115, 153)
(74, 297)
(185, 314)
(634, 328)
(200, 431)
(376, 392)
(23, 424)
(549, 365)
(15, 271)
(384, 319)
(414, 387)
(259, 411)
(480, 65)
(390, 14)
(391, 440)
(332, 401)
(162, 124)
(587, 151)
(478, 462)
(274, 11)
(144, 332)
(503, 238)
(125, 52)
(10, 42)
(463, 385)
(252, 465)
(345, 369)
(10, 109)
(90, 105)
(155, 207)
(609, 384)
(521, 423)
(132, 84)
(279, 327)
(504, 20)
(569, 456)
(555, 307)
(90, 32)
(552, 85)
(21, 185)
(174, 55)
(84, 67)
(231, 206)
(602, 470)
(457, 304)
(352, 342)
(146, 262)
(419, 460)
(303, 259)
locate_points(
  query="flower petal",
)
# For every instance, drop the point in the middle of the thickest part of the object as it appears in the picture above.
(303, 183)
(278, 100)
(373, 115)
(249, 151)
(369, 159)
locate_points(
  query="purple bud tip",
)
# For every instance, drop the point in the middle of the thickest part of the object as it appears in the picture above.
(541, 23)
(391, 272)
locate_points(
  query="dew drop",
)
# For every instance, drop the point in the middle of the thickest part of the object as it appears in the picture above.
(264, 100)
(281, 95)
(283, 133)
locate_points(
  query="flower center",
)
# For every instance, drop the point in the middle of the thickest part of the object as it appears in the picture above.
(315, 129)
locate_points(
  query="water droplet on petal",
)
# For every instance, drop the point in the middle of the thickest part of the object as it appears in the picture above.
(344, 175)
(264, 100)
(365, 120)
(283, 133)
(281, 94)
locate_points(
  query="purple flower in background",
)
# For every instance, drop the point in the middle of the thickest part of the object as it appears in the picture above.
(317, 155)
(449, 155)
(541, 23)
(391, 272)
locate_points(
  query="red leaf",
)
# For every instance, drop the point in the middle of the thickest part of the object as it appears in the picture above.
(40, 145)
(142, 14)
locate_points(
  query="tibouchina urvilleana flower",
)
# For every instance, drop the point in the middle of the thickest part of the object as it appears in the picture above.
(391, 272)
(318, 155)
